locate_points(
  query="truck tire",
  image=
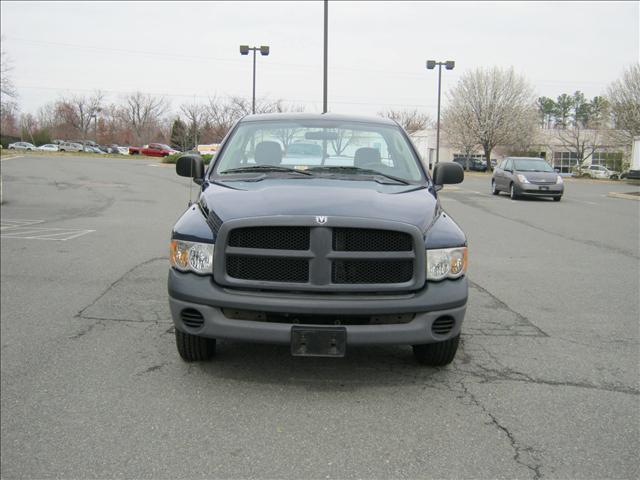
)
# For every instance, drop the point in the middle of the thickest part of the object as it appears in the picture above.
(193, 348)
(437, 354)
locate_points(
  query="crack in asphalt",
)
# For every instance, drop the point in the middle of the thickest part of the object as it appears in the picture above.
(503, 306)
(534, 464)
(488, 375)
(113, 284)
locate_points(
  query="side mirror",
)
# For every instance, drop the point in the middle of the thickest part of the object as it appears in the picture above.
(447, 173)
(190, 165)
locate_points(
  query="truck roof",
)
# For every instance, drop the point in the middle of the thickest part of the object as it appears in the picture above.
(335, 117)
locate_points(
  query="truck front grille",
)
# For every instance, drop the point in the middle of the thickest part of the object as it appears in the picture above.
(371, 271)
(319, 258)
(268, 269)
(280, 238)
(370, 240)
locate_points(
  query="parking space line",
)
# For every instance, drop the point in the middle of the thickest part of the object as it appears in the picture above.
(25, 229)
(17, 223)
(69, 235)
(10, 157)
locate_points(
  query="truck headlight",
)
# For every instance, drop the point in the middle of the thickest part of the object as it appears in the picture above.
(191, 256)
(446, 263)
(559, 180)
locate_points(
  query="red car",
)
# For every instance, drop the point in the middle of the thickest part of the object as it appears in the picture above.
(153, 150)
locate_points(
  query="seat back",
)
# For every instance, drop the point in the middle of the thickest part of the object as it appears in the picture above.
(367, 157)
(268, 153)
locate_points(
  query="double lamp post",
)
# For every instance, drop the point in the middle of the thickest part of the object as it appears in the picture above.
(431, 64)
(244, 50)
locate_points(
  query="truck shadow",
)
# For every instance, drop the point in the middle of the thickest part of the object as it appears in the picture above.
(362, 367)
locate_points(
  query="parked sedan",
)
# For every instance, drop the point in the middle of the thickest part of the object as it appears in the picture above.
(472, 164)
(22, 146)
(92, 149)
(525, 176)
(49, 147)
(600, 171)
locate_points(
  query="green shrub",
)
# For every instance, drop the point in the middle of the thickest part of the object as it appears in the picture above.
(174, 158)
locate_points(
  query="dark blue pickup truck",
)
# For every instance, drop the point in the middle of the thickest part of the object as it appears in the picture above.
(344, 245)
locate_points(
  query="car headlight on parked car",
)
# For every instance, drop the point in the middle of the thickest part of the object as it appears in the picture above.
(446, 263)
(559, 180)
(522, 178)
(191, 256)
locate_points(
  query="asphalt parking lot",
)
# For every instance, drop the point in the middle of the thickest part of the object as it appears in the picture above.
(545, 384)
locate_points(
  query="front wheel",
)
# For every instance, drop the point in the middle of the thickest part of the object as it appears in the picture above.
(512, 192)
(494, 190)
(193, 348)
(437, 354)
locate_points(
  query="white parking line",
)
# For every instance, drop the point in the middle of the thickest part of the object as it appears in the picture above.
(16, 223)
(46, 234)
(24, 229)
(10, 157)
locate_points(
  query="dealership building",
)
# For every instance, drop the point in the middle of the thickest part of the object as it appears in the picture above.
(547, 145)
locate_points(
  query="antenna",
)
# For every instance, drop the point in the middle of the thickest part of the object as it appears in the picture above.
(190, 186)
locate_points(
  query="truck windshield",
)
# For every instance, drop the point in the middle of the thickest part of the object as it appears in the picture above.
(315, 145)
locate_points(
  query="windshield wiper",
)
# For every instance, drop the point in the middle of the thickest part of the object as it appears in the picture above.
(265, 168)
(358, 170)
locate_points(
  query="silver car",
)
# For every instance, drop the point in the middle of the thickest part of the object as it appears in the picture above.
(600, 171)
(526, 176)
(21, 146)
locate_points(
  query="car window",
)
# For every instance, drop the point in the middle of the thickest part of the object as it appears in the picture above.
(531, 165)
(508, 165)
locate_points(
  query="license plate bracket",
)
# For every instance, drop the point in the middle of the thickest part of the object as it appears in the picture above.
(318, 341)
(544, 188)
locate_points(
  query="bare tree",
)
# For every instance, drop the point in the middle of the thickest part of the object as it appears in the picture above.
(9, 118)
(498, 103)
(583, 142)
(459, 134)
(7, 89)
(224, 113)
(79, 110)
(624, 101)
(28, 127)
(196, 115)
(221, 117)
(411, 120)
(142, 114)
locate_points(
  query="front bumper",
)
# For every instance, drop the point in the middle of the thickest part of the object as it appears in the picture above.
(446, 298)
(553, 190)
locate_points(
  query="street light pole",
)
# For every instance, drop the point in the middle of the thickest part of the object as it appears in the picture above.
(253, 101)
(438, 125)
(244, 50)
(326, 53)
(449, 65)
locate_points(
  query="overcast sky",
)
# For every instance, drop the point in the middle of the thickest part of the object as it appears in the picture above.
(377, 50)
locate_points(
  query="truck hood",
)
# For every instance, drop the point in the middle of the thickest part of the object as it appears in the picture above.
(410, 204)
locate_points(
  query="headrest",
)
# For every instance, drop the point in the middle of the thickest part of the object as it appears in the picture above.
(268, 153)
(366, 156)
